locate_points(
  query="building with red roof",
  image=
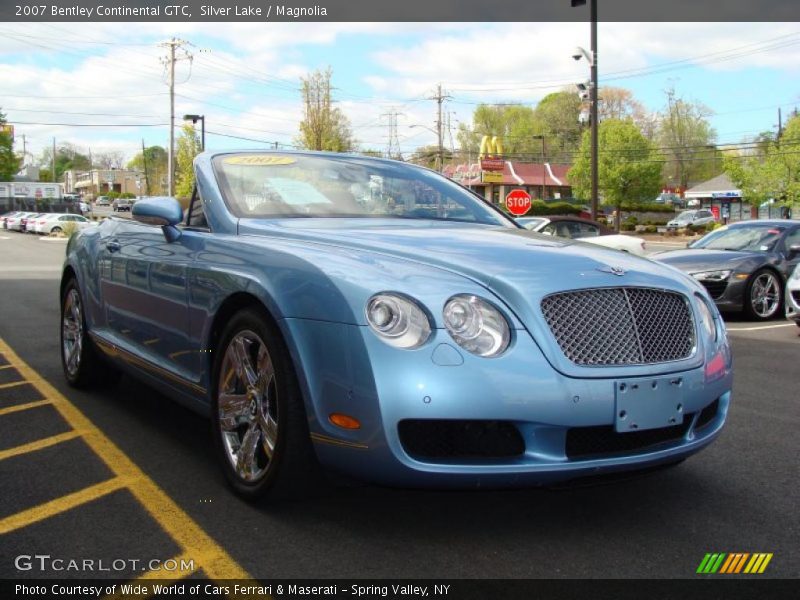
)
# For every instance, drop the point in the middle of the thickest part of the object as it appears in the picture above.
(542, 181)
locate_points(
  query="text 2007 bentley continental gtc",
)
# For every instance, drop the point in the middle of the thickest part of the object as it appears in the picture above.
(378, 319)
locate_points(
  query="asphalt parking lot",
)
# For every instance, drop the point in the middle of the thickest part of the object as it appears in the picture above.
(127, 474)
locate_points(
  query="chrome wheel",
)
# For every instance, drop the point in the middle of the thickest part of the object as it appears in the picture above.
(247, 404)
(72, 332)
(765, 295)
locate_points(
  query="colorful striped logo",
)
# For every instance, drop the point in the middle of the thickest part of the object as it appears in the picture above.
(733, 563)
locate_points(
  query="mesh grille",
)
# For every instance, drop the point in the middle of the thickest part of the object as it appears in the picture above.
(620, 326)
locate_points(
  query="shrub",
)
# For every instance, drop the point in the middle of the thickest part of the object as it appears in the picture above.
(69, 229)
(626, 226)
(553, 208)
(651, 229)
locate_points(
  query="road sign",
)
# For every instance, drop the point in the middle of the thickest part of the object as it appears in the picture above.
(493, 164)
(518, 202)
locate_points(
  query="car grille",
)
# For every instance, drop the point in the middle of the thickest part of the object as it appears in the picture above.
(620, 326)
(715, 288)
(604, 441)
(450, 438)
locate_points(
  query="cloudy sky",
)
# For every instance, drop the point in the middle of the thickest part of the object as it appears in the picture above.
(59, 78)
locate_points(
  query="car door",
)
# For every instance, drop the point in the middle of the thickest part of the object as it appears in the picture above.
(144, 287)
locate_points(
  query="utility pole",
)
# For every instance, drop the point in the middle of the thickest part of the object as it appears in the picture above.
(439, 97)
(172, 45)
(780, 124)
(53, 172)
(146, 177)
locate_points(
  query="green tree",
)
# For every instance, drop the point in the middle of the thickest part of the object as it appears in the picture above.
(153, 163)
(427, 156)
(687, 137)
(9, 162)
(772, 170)
(324, 127)
(68, 157)
(516, 127)
(188, 147)
(558, 112)
(627, 171)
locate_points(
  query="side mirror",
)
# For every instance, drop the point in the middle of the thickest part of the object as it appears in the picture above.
(794, 250)
(163, 212)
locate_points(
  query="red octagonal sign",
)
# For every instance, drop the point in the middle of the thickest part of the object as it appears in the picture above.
(518, 202)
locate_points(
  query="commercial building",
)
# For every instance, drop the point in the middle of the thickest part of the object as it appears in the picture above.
(722, 197)
(99, 182)
(542, 181)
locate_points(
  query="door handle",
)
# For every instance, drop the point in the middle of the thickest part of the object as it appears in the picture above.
(113, 246)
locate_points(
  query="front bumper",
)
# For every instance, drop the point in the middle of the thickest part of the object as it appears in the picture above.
(728, 295)
(793, 301)
(346, 369)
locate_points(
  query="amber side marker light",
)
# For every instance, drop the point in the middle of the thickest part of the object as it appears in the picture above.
(344, 421)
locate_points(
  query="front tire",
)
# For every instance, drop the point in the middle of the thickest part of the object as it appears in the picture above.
(259, 423)
(83, 367)
(763, 296)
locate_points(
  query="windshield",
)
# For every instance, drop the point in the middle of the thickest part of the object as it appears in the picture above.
(749, 238)
(273, 185)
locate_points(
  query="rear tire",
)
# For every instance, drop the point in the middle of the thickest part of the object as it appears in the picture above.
(55, 230)
(258, 418)
(763, 296)
(83, 367)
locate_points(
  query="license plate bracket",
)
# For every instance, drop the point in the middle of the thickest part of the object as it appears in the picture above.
(648, 403)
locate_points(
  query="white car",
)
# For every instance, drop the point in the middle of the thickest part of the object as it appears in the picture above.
(575, 228)
(793, 296)
(56, 222)
(15, 223)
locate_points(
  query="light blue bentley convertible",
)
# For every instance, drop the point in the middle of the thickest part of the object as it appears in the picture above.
(378, 319)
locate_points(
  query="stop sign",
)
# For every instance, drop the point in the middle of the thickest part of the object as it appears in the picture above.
(518, 202)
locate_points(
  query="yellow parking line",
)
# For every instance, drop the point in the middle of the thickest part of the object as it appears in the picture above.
(5, 386)
(18, 407)
(217, 563)
(39, 444)
(59, 505)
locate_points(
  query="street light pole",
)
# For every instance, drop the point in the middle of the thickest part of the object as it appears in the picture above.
(593, 96)
(544, 171)
(592, 58)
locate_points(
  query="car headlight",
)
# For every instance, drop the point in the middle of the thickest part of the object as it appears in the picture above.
(398, 320)
(476, 325)
(712, 275)
(707, 319)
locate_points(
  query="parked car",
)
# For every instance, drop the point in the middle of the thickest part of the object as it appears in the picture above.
(584, 230)
(56, 223)
(102, 201)
(793, 296)
(691, 217)
(744, 266)
(26, 225)
(5, 217)
(121, 204)
(315, 317)
(14, 223)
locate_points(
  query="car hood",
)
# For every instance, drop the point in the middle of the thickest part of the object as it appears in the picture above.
(517, 264)
(696, 260)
